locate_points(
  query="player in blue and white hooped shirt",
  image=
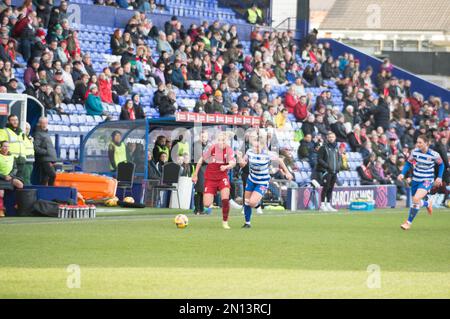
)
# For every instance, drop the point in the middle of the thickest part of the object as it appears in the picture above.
(423, 160)
(259, 160)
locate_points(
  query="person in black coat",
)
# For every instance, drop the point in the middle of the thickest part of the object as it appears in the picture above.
(87, 62)
(329, 162)
(382, 113)
(159, 94)
(195, 70)
(167, 106)
(43, 10)
(45, 153)
(308, 127)
(327, 69)
(305, 148)
(339, 129)
(81, 89)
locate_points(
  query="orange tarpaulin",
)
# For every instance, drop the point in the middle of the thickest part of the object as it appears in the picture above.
(90, 186)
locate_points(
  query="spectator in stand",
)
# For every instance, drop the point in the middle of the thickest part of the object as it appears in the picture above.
(30, 74)
(306, 148)
(365, 173)
(81, 89)
(382, 113)
(216, 107)
(255, 84)
(105, 86)
(168, 104)
(87, 63)
(44, 95)
(176, 76)
(93, 102)
(339, 129)
(392, 171)
(43, 10)
(355, 139)
(164, 45)
(131, 112)
(117, 45)
(280, 73)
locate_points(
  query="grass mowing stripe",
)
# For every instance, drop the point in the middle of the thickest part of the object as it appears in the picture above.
(301, 254)
(186, 282)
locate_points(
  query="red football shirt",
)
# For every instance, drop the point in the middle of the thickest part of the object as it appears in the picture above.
(216, 157)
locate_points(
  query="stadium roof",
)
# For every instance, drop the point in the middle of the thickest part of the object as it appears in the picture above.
(395, 15)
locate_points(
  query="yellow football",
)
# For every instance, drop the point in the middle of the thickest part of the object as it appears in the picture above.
(181, 221)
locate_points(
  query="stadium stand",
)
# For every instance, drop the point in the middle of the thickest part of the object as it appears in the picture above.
(325, 82)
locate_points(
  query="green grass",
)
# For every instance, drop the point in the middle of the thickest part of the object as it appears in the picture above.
(141, 254)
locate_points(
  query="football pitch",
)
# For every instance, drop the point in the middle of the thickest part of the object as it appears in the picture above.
(141, 254)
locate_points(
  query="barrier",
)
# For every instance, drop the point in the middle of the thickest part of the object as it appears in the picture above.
(385, 196)
(49, 193)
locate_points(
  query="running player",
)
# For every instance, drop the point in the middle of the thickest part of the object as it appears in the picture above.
(220, 159)
(258, 159)
(423, 160)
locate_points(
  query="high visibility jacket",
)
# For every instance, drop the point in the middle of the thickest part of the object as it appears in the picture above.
(253, 15)
(16, 143)
(29, 148)
(163, 150)
(6, 164)
(120, 154)
(183, 147)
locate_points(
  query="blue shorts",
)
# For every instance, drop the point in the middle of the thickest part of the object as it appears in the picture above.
(426, 185)
(253, 187)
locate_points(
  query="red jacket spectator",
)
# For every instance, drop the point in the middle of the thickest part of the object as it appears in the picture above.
(301, 111)
(19, 26)
(105, 89)
(290, 101)
(415, 105)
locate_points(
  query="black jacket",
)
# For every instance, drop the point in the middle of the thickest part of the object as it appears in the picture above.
(329, 160)
(356, 147)
(305, 149)
(43, 146)
(153, 171)
(327, 71)
(166, 107)
(339, 129)
(255, 84)
(158, 97)
(79, 93)
(308, 128)
(381, 114)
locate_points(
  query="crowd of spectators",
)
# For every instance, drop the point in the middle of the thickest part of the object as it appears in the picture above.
(381, 119)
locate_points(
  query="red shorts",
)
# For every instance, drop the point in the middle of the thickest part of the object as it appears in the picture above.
(213, 186)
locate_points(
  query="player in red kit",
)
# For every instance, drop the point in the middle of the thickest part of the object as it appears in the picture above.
(220, 159)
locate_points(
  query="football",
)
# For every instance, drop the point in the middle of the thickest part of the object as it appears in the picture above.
(112, 202)
(181, 221)
(129, 200)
